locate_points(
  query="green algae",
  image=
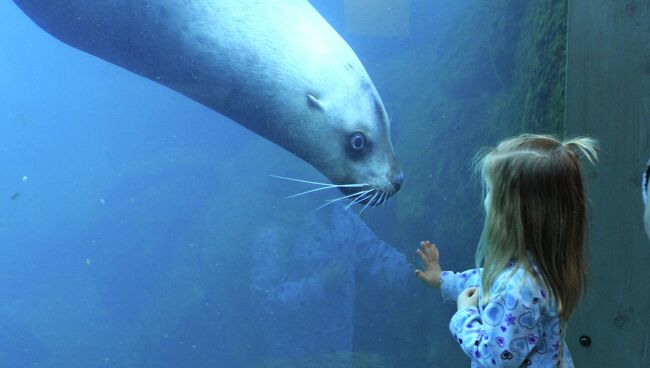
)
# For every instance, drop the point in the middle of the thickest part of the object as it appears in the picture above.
(500, 71)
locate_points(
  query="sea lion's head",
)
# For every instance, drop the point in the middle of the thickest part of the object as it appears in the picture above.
(343, 130)
(301, 86)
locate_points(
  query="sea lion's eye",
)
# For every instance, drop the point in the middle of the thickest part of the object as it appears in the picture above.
(358, 140)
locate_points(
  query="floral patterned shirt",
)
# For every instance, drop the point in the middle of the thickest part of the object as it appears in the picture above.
(519, 326)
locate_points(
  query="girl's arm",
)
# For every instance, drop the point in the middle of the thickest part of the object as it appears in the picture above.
(453, 283)
(507, 330)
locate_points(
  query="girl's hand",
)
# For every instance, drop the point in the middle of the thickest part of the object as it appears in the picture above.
(430, 259)
(469, 297)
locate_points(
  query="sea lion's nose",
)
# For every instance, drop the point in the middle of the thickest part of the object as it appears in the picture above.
(398, 180)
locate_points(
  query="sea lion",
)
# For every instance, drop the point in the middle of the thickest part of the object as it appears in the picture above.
(276, 67)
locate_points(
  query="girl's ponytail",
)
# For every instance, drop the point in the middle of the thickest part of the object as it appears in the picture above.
(587, 147)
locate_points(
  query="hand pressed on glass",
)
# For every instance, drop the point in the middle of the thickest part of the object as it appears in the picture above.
(431, 261)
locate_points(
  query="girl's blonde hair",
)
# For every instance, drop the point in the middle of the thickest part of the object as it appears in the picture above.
(536, 207)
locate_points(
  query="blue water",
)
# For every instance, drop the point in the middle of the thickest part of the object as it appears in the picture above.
(140, 229)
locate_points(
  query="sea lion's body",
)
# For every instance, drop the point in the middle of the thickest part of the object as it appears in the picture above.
(275, 67)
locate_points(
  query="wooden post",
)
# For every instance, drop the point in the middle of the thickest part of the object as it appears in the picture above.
(608, 98)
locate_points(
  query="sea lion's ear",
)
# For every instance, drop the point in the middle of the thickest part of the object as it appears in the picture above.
(315, 102)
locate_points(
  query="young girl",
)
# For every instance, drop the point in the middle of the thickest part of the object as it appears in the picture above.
(512, 312)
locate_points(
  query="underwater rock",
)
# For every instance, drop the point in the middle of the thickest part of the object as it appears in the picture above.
(478, 56)
(310, 286)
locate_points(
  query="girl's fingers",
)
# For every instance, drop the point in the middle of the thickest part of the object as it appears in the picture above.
(426, 248)
(428, 252)
(434, 252)
(421, 275)
(422, 252)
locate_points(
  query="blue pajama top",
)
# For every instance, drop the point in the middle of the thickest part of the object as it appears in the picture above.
(518, 327)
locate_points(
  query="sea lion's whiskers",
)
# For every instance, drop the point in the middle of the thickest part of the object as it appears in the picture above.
(357, 197)
(381, 199)
(327, 187)
(323, 185)
(348, 196)
(330, 201)
(378, 201)
(360, 198)
(386, 198)
(299, 180)
(369, 202)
